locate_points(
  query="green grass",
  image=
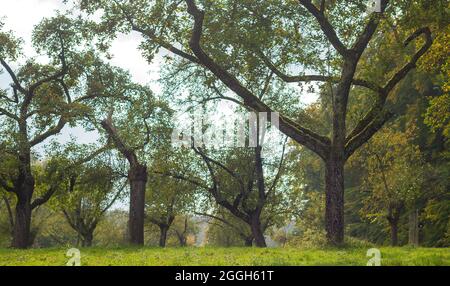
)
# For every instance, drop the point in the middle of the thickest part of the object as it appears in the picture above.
(226, 256)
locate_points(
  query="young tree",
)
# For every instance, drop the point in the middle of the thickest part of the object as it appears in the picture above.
(168, 198)
(184, 227)
(394, 177)
(223, 227)
(87, 193)
(274, 36)
(240, 186)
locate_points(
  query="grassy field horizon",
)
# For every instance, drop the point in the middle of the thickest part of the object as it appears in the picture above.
(212, 256)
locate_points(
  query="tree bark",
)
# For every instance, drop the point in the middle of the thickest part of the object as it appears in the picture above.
(394, 232)
(22, 222)
(413, 234)
(138, 179)
(182, 240)
(163, 235)
(334, 205)
(248, 242)
(257, 232)
(87, 239)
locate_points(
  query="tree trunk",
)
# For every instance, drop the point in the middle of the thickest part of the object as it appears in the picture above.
(257, 232)
(182, 238)
(248, 242)
(394, 232)
(413, 234)
(22, 222)
(87, 239)
(163, 235)
(138, 179)
(334, 205)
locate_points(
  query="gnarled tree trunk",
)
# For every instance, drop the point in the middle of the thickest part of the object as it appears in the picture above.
(394, 232)
(334, 204)
(138, 180)
(22, 222)
(257, 232)
(87, 239)
(163, 235)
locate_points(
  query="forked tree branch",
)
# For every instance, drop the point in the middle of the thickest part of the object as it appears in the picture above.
(378, 115)
(326, 27)
(314, 142)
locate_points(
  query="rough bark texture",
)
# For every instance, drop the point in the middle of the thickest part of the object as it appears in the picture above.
(413, 233)
(394, 232)
(248, 241)
(87, 239)
(163, 235)
(24, 188)
(334, 202)
(257, 232)
(138, 179)
(22, 222)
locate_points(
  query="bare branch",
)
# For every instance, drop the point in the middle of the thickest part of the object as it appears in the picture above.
(8, 114)
(321, 78)
(401, 74)
(151, 35)
(279, 171)
(13, 76)
(370, 129)
(183, 178)
(129, 154)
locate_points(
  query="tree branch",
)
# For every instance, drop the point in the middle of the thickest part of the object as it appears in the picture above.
(8, 114)
(129, 154)
(13, 76)
(321, 78)
(9, 210)
(50, 132)
(401, 74)
(326, 27)
(370, 129)
(377, 116)
(365, 37)
(314, 142)
(280, 167)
